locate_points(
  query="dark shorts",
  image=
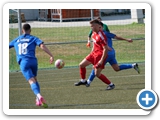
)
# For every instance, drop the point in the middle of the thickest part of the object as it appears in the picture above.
(111, 59)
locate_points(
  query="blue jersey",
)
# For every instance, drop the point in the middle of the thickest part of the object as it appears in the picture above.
(25, 46)
(109, 39)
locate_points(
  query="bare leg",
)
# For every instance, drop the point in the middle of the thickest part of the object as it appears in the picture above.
(116, 67)
(32, 80)
(84, 63)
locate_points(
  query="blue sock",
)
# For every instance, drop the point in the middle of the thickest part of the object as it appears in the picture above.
(125, 66)
(35, 88)
(92, 76)
(38, 86)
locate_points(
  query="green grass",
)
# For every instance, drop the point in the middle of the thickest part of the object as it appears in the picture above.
(65, 34)
(57, 87)
(129, 31)
(72, 54)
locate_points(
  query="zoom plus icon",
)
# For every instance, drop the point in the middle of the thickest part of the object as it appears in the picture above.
(147, 99)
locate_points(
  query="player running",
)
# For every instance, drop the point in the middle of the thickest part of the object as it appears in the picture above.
(97, 57)
(105, 27)
(25, 46)
(111, 56)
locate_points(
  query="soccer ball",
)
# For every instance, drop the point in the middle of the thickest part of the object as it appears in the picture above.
(59, 63)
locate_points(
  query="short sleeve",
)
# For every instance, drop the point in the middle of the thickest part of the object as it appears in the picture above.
(110, 35)
(103, 42)
(38, 41)
(11, 44)
(103, 39)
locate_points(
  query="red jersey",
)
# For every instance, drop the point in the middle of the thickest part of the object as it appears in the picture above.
(99, 40)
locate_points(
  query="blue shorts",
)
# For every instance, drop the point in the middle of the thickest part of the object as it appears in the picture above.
(111, 59)
(29, 68)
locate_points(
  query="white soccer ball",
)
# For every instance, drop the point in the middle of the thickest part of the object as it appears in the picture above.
(59, 63)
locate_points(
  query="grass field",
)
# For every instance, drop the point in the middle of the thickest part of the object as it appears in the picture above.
(72, 54)
(57, 87)
(66, 34)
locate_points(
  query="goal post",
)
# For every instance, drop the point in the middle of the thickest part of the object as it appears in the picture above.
(19, 21)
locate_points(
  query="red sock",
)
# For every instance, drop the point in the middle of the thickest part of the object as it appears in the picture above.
(83, 73)
(104, 79)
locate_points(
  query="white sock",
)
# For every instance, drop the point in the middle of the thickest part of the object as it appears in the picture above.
(83, 80)
(39, 95)
(133, 65)
(88, 81)
(111, 84)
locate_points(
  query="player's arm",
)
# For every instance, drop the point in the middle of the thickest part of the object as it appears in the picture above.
(44, 48)
(92, 48)
(109, 48)
(89, 38)
(104, 55)
(105, 51)
(89, 35)
(121, 38)
(11, 44)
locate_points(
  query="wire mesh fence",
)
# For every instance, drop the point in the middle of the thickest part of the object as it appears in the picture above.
(65, 33)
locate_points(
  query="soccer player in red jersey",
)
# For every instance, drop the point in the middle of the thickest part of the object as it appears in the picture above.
(97, 57)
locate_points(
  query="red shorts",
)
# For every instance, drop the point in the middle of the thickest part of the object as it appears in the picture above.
(95, 58)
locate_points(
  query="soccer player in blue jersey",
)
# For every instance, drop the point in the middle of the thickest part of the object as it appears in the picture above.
(111, 56)
(25, 46)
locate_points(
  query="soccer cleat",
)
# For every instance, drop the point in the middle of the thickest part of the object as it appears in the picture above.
(80, 83)
(41, 102)
(136, 67)
(87, 85)
(110, 87)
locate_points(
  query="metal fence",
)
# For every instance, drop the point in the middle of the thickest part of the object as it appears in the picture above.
(67, 39)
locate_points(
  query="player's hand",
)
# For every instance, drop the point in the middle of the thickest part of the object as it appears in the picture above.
(109, 48)
(51, 60)
(99, 64)
(130, 40)
(88, 44)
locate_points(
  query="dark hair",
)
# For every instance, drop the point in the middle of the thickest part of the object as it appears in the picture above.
(26, 27)
(100, 23)
(94, 21)
(99, 18)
